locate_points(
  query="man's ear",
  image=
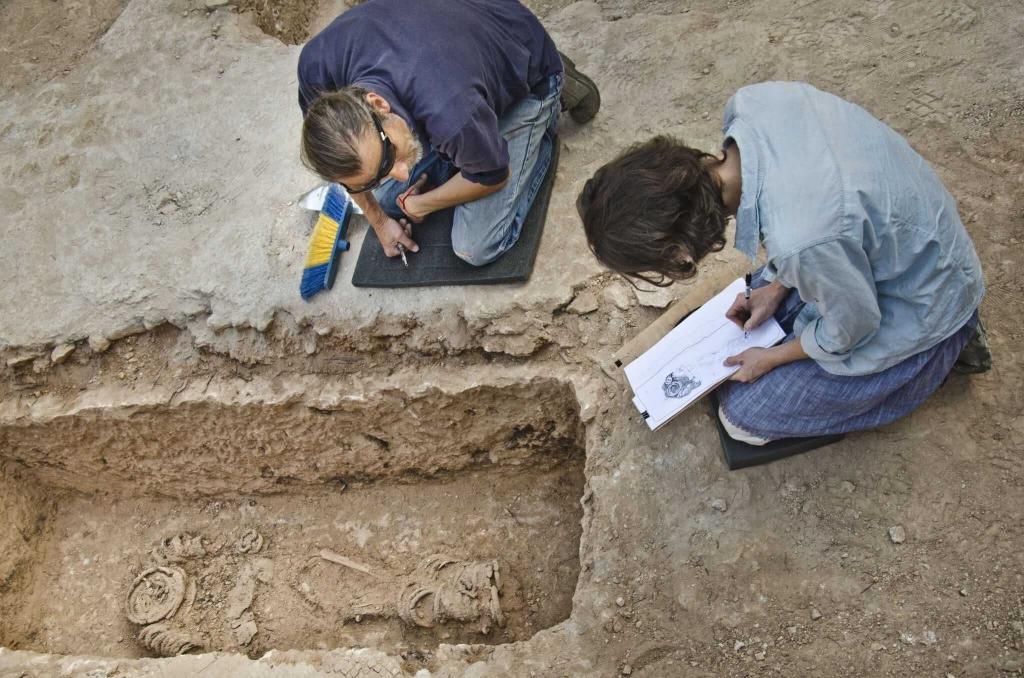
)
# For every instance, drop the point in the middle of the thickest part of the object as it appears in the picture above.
(378, 103)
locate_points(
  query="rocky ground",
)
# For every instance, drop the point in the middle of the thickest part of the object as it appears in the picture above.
(151, 321)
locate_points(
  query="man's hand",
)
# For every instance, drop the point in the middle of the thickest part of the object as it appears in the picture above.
(391, 233)
(754, 363)
(408, 204)
(764, 301)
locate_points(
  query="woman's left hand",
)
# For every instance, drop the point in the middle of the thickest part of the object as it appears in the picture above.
(754, 363)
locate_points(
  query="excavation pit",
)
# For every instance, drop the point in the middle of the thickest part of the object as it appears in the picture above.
(246, 524)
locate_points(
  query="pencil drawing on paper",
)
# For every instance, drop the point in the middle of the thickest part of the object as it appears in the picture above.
(689, 361)
(686, 378)
(680, 383)
(732, 347)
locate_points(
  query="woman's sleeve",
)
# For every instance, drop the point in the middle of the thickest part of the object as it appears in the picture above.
(836, 276)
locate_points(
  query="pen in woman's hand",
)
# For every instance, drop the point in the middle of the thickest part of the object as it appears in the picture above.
(746, 297)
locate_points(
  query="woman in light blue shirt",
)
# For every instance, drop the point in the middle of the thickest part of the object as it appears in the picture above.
(868, 266)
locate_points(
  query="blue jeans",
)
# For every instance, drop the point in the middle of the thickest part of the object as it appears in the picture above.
(484, 229)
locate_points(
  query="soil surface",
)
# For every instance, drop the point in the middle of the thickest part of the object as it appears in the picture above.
(895, 552)
(287, 21)
(43, 40)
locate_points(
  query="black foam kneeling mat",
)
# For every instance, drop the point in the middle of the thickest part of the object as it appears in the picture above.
(743, 455)
(436, 263)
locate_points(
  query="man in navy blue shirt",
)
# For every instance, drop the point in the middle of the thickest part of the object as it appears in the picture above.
(415, 106)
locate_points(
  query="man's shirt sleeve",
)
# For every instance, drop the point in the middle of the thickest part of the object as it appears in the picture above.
(836, 276)
(477, 147)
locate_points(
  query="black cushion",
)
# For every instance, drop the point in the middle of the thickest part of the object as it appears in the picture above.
(743, 455)
(436, 263)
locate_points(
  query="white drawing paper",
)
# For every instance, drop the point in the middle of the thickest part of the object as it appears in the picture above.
(688, 362)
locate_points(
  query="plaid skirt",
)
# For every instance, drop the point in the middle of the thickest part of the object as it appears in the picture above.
(800, 399)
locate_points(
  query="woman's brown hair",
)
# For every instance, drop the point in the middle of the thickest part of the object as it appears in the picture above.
(653, 212)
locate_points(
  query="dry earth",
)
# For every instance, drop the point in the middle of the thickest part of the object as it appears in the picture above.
(160, 378)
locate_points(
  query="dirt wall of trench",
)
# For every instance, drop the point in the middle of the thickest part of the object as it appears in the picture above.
(21, 520)
(207, 447)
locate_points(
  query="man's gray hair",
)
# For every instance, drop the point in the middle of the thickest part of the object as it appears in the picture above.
(334, 122)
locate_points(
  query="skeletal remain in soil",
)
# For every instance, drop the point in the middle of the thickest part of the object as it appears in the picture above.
(445, 589)
(166, 642)
(250, 542)
(181, 547)
(441, 589)
(158, 593)
(339, 559)
(155, 594)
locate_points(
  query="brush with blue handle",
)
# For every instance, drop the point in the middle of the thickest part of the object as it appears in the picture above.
(327, 243)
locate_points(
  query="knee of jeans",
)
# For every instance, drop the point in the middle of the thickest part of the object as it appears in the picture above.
(475, 251)
(475, 254)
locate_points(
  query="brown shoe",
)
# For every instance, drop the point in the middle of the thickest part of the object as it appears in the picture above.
(579, 93)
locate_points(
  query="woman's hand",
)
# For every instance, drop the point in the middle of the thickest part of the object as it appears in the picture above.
(764, 301)
(754, 363)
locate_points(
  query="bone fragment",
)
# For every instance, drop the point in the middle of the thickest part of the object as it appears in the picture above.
(339, 559)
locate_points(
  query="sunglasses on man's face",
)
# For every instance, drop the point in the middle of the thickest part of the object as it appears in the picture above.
(387, 160)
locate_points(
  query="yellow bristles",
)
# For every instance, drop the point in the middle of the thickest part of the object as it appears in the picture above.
(321, 244)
